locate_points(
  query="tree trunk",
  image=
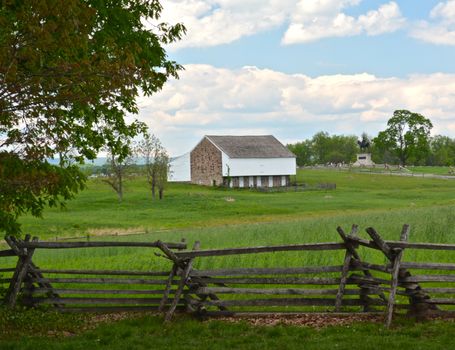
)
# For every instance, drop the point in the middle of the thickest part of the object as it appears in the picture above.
(120, 188)
(161, 192)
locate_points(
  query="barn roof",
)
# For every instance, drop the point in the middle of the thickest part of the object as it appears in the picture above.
(264, 146)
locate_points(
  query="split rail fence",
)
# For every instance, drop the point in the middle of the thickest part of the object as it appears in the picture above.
(354, 285)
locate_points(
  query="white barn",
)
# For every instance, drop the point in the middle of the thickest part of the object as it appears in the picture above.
(236, 161)
(180, 169)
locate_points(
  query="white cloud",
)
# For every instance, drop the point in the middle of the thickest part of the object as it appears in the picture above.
(441, 29)
(386, 19)
(216, 22)
(444, 10)
(209, 100)
(311, 23)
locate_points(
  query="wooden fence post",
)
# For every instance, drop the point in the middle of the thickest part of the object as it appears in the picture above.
(395, 276)
(183, 281)
(346, 266)
(351, 247)
(394, 257)
(168, 287)
(25, 258)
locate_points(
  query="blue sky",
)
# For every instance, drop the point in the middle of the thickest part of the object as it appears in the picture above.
(294, 67)
(389, 54)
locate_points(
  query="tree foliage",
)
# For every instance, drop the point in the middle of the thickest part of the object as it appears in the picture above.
(323, 148)
(70, 71)
(302, 151)
(29, 185)
(407, 137)
(442, 151)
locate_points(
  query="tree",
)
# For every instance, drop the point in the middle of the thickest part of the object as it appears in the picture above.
(323, 148)
(333, 149)
(302, 151)
(116, 172)
(442, 151)
(320, 144)
(27, 185)
(162, 163)
(407, 136)
(156, 162)
(69, 73)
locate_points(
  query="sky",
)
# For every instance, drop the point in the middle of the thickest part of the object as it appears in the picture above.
(292, 68)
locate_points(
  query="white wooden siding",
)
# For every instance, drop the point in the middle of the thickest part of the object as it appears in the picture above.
(180, 169)
(258, 166)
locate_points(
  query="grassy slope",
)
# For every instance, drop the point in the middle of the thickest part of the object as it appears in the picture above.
(384, 202)
(186, 206)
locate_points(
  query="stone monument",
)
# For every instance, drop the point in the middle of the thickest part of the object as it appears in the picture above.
(364, 157)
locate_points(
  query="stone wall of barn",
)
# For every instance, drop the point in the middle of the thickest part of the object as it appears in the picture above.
(206, 164)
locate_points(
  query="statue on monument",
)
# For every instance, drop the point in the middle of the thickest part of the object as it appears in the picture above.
(364, 157)
(364, 143)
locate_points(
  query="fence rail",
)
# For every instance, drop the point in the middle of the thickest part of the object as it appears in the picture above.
(354, 285)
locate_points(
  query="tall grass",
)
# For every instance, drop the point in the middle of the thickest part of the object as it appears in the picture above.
(434, 224)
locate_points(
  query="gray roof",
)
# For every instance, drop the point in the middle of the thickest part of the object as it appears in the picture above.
(264, 146)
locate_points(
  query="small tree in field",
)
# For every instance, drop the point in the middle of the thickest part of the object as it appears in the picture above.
(162, 173)
(156, 162)
(117, 169)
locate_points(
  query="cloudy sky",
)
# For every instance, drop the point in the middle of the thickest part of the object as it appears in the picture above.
(292, 68)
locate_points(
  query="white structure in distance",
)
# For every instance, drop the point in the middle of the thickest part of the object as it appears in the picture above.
(180, 169)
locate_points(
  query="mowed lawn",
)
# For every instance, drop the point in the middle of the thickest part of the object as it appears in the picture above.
(97, 211)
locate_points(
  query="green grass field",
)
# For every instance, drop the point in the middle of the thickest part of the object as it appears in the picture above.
(235, 218)
(96, 210)
(437, 170)
(249, 218)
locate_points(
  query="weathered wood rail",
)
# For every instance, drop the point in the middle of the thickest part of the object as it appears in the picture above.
(352, 286)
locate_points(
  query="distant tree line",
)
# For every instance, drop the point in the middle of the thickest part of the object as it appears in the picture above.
(323, 148)
(405, 141)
